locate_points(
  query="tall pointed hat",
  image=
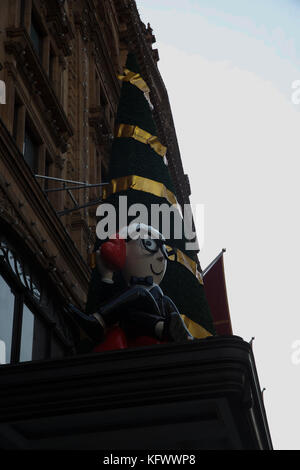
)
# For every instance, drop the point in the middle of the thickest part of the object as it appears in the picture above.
(138, 170)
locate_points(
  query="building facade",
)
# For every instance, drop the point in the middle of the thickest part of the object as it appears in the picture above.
(59, 63)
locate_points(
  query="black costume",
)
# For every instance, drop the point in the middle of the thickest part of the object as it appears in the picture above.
(136, 309)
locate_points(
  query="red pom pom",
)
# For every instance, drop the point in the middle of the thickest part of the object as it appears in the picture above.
(115, 339)
(113, 253)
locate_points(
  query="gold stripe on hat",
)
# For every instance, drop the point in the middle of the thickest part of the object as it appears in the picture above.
(140, 184)
(135, 132)
(135, 79)
(195, 329)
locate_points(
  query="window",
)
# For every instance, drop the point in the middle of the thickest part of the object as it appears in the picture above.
(17, 110)
(52, 66)
(28, 313)
(26, 334)
(29, 142)
(36, 37)
(7, 300)
(103, 100)
(57, 74)
(22, 12)
(103, 173)
(31, 149)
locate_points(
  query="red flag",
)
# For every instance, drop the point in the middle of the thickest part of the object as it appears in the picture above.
(216, 294)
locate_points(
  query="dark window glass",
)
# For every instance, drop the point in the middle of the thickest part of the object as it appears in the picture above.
(34, 337)
(22, 12)
(36, 38)
(31, 149)
(103, 100)
(7, 300)
(17, 108)
(16, 116)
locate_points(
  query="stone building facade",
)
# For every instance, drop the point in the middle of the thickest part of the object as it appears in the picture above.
(59, 62)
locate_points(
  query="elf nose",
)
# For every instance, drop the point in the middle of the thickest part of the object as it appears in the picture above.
(161, 258)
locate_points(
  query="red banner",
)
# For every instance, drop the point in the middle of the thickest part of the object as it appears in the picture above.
(216, 294)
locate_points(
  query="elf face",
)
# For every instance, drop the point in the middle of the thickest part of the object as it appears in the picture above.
(145, 257)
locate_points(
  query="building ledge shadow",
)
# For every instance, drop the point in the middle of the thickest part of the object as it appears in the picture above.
(203, 394)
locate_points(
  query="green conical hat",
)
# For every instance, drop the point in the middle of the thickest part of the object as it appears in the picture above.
(138, 170)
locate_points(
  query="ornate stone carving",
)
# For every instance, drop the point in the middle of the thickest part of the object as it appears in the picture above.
(20, 46)
(59, 25)
(99, 122)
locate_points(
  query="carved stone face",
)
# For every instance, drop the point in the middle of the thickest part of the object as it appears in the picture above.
(144, 257)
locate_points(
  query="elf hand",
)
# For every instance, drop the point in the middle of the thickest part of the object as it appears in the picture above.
(111, 257)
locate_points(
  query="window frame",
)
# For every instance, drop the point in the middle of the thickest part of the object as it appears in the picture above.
(23, 296)
(36, 141)
(36, 31)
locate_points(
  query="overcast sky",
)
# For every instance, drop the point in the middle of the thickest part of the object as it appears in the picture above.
(229, 67)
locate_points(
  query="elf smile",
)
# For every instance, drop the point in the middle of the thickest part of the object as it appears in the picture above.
(157, 274)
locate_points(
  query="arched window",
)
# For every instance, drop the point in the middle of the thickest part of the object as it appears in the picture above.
(32, 325)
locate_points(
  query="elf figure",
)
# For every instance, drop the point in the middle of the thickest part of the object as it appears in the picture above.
(144, 315)
(122, 309)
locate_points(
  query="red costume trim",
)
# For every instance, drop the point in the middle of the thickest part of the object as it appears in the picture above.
(116, 339)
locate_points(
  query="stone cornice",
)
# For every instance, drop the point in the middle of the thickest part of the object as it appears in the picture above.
(207, 382)
(59, 25)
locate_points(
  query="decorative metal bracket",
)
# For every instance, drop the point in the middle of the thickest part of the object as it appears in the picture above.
(69, 189)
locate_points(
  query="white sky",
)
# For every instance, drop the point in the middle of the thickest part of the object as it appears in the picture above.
(229, 68)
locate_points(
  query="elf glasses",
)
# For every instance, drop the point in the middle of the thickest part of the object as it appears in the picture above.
(151, 240)
(153, 246)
